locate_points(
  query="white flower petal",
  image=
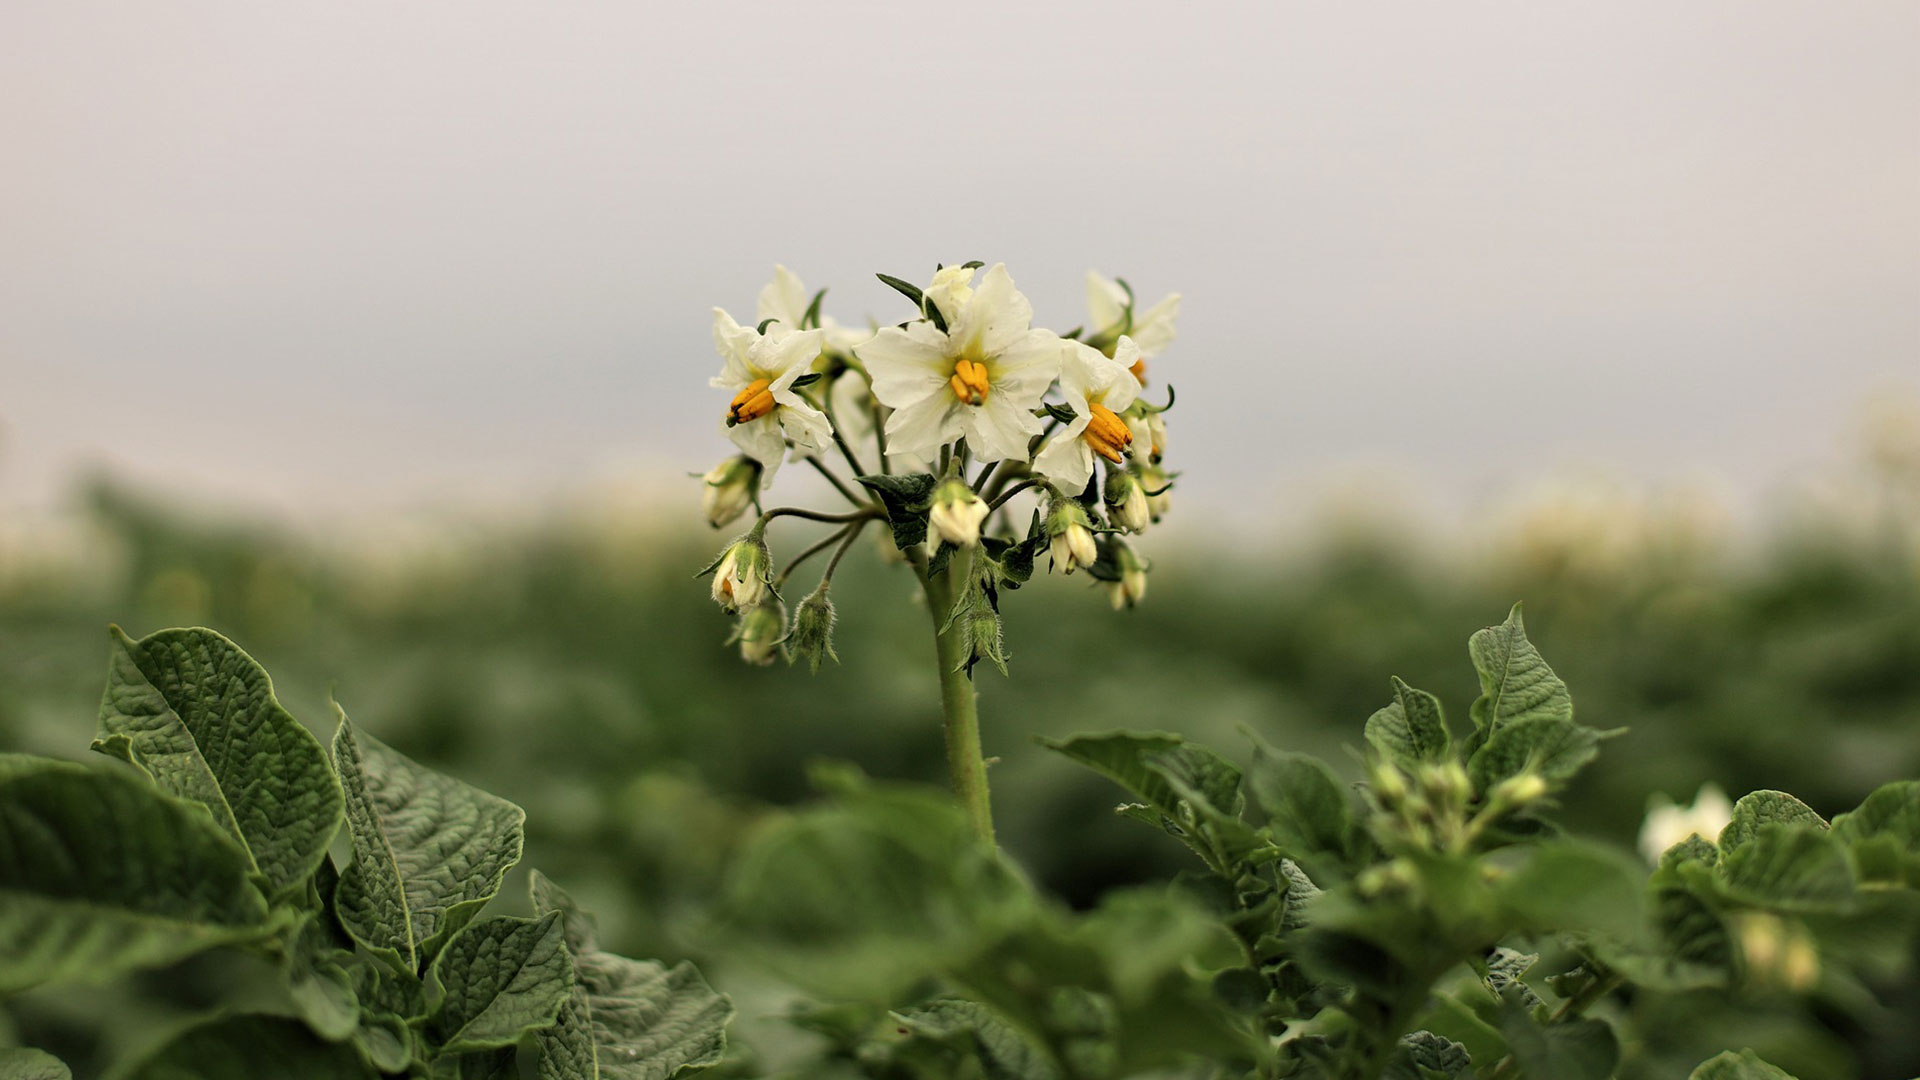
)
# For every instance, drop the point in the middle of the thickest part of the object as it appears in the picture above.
(923, 426)
(999, 428)
(784, 298)
(763, 441)
(787, 352)
(1026, 367)
(950, 291)
(906, 365)
(1106, 302)
(1066, 459)
(997, 315)
(1153, 328)
(807, 426)
(732, 341)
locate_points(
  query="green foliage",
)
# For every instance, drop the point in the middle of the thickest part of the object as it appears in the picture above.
(1745, 1065)
(216, 842)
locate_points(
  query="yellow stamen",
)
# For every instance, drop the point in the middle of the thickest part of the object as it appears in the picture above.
(1139, 370)
(969, 382)
(752, 403)
(1107, 433)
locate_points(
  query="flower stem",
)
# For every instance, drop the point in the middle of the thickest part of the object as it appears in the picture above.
(965, 766)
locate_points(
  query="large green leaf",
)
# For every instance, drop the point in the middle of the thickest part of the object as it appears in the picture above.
(503, 978)
(1789, 867)
(101, 874)
(1884, 834)
(626, 1019)
(26, 1064)
(1745, 1065)
(428, 850)
(1309, 809)
(1570, 1050)
(199, 716)
(1552, 747)
(1002, 1051)
(1759, 808)
(1411, 730)
(250, 1048)
(1515, 681)
(1190, 791)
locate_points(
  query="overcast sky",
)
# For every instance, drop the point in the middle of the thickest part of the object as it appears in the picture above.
(297, 253)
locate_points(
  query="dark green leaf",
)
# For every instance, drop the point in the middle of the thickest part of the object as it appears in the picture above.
(625, 1019)
(1411, 730)
(1745, 1065)
(249, 1048)
(503, 978)
(1310, 810)
(199, 716)
(26, 1064)
(1552, 747)
(428, 850)
(1797, 868)
(807, 380)
(1892, 810)
(101, 874)
(1508, 968)
(1570, 1050)
(1575, 886)
(1422, 1055)
(905, 499)
(1003, 1052)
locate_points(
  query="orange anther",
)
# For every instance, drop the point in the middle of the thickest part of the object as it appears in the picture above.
(752, 403)
(970, 382)
(1107, 433)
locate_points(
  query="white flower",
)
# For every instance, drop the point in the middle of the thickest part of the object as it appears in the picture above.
(1070, 540)
(743, 574)
(956, 513)
(981, 379)
(766, 411)
(786, 299)
(1668, 824)
(1126, 502)
(1098, 388)
(1152, 329)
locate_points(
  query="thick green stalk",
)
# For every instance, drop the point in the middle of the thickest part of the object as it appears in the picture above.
(958, 702)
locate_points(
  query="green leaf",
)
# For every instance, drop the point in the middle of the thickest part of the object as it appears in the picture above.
(1761, 808)
(912, 292)
(1553, 747)
(1884, 834)
(906, 499)
(1508, 967)
(1691, 949)
(390, 1003)
(1310, 811)
(428, 850)
(27, 1064)
(502, 978)
(249, 1048)
(1124, 757)
(319, 981)
(1572, 885)
(1788, 867)
(1422, 1055)
(101, 874)
(1411, 730)
(1515, 681)
(625, 1019)
(1569, 1050)
(1191, 792)
(1745, 1065)
(500, 1064)
(1003, 1052)
(199, 716)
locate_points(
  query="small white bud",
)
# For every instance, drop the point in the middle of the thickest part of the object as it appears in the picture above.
(1131, 589)
(1126, 501)
(1154, 482)
(731, 487)
(956, 513)
(1070, 535)
(742, 574)
(760, 631)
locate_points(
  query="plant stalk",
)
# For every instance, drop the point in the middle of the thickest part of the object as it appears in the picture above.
(958, 702)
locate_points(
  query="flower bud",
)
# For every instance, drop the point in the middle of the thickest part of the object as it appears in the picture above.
(812, 636)
(1154, 482)
(1776, 952)
(1126, 501)
(1070, 535)
(956, 513)
(1518, 791)
(761, 629)
(1446, 783)
(743, 573)
(1131, 589)
(1157, 432)
(731, 487)
(1389, 784)
(984, 639)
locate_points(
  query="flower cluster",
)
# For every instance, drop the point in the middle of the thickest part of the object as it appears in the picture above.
(992, 442)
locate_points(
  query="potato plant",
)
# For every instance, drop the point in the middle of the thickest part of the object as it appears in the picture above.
(1430, 922)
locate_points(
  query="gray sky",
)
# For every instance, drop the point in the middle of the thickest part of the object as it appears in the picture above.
(297, 253)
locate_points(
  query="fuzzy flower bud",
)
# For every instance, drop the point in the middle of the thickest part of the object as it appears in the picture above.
(731, 487)
(812, 636)
(743, 573)
(984, 639)
(1518, 791)
(1070, 535)
(1389, 784)
(1131, 588)
(760, 630)
(956, 513)
(1126, 501)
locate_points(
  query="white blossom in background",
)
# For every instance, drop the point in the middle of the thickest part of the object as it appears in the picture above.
(979, 379)
(1668, 824)
(1107, 321)
(766, 411)
(786, 299)
(1099, 389)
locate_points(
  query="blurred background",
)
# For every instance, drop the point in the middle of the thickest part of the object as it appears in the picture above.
(377, 337)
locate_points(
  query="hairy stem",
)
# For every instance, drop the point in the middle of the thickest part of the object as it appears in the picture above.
(965, 766)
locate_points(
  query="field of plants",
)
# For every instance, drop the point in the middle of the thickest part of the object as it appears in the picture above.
(791, 836)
